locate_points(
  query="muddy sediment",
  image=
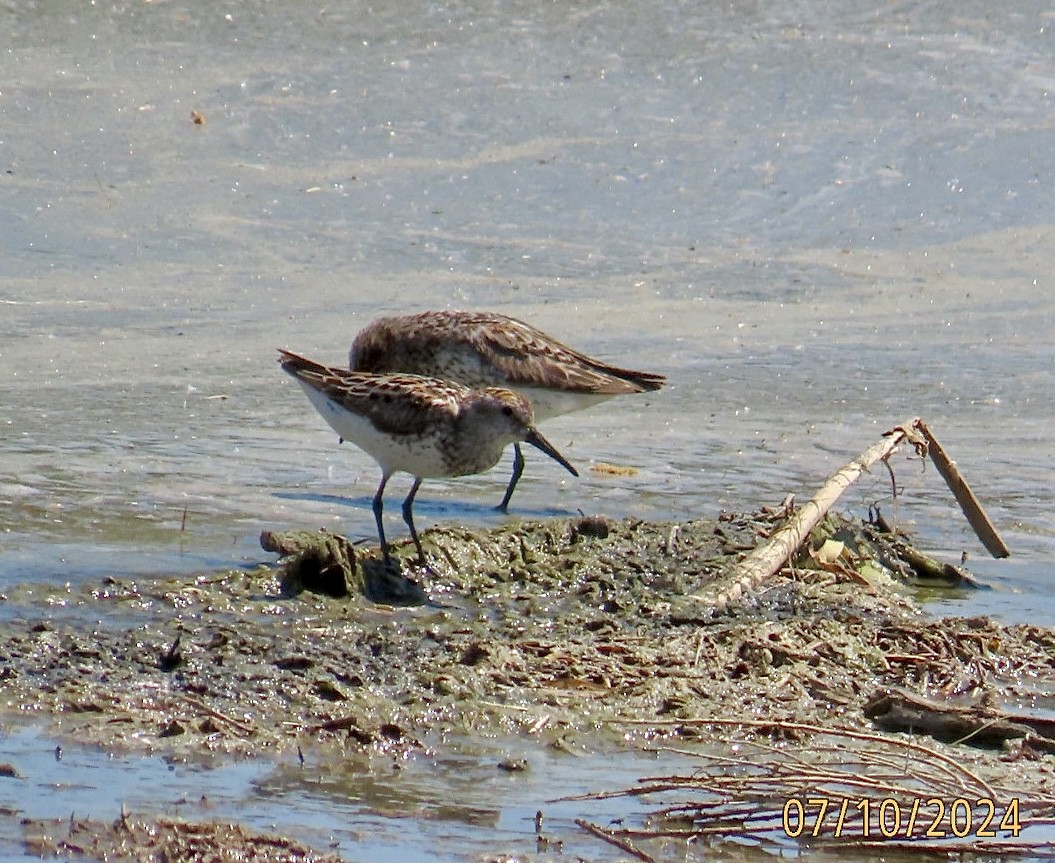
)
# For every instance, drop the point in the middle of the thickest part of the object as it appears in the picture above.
(543, 629)
(132, 837)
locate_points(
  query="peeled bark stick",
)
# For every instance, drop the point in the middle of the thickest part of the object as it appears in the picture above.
(976, 516)
(767, 558)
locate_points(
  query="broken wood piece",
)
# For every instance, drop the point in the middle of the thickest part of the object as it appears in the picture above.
(907, 561)
(927, 567)
(976, 724)
(970, 505)
(769, 557)
(624, 845)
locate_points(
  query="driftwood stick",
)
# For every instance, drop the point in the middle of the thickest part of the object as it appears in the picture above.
(928, 567)
(622, 844)
(769, 557)
(896, 709)
(970, 505)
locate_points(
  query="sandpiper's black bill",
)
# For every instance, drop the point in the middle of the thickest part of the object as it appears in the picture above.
(539, 442)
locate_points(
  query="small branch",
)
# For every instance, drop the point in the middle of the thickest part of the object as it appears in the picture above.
(201, 706)
(769, 557)
(978, 724)
(970, 505)
(614, 840)
(928, 567)
(948, 765)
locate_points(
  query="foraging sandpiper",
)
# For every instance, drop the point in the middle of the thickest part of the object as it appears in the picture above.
(481, 349)
(424, 426)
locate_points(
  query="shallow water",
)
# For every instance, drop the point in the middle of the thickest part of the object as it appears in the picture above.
(367, 810)
(816, 222)
(428, 806)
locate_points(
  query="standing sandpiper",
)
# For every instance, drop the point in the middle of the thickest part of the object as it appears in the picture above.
(481, 349)
(424, 426)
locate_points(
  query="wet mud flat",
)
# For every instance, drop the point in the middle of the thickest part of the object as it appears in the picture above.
(585, 632)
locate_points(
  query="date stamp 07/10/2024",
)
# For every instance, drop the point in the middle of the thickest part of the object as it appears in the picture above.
(889, 818)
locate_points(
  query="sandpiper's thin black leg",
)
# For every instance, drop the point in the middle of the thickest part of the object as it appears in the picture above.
(518, 469)
(408, 517)
(378, 509)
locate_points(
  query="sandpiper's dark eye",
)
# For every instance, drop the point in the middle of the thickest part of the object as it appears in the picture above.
(507, 410)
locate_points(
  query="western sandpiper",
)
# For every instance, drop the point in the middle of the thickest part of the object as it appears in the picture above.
(420, 425)
(480, 349)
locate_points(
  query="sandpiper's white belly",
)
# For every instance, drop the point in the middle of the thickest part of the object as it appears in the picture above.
(419, 455)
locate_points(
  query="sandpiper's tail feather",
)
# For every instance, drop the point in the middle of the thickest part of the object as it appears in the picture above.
(397, 404)
(293, 364)
(529, 357)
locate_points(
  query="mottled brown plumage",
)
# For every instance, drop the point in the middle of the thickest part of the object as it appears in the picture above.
(481, 349)
(424, 426)
(489, 349)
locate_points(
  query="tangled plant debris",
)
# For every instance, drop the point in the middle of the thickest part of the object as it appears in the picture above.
(539, 629)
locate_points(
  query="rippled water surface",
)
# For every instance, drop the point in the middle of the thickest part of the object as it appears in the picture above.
(429, 807)
(817, 220)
